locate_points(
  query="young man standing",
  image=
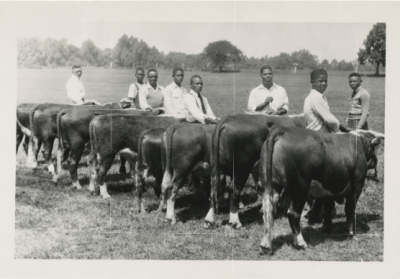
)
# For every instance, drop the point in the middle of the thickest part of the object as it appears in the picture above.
(268, 98)
(173, 95)
(75, 89)
(197, 107)
(134, 87)
(359, 104)
(150, 94)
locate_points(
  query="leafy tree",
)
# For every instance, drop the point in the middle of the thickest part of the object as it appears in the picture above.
(304, 59)
(55, 53)
(324, 64)
(90, 53)
(281, 62)
(334, 64)
(375, 47)
(30, 54)
(221, 52)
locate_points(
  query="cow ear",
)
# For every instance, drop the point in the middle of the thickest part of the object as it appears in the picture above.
(376, 141)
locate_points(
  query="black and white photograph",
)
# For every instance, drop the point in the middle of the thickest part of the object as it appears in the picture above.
(188, 138)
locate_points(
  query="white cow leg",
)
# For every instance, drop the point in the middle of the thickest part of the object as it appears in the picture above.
(299, 241)
(77, 185)
(234, 220)
(92, 183)
(210, 219)
(51, 168)
(103, 191)
(31, 161)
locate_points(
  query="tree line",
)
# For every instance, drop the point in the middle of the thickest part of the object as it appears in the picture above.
(131, 52)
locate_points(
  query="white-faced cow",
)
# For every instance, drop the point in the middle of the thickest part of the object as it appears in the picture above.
(291, 158)
(236, 147)
(73, 134)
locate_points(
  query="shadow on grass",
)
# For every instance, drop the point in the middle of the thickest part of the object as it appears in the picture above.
(316, 236)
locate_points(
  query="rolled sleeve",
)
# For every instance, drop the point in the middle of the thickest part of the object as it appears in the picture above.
(143, 98)
(192, 110)
(252, 104)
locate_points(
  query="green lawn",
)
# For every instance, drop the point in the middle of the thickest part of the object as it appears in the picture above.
(61, 223)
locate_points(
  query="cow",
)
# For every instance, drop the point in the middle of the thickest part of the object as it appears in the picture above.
(292, 157)
(187, 151)
(149, 166)
(73, 134)
(43, 124)
(236, 146)
(117, 134)
(23, 127)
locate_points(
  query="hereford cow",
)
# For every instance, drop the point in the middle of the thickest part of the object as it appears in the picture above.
(291, 158)
(23, 127)
(117, 134)
(73, 134)
(236, 147)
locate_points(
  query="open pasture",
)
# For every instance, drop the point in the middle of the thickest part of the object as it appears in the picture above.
(56, 222)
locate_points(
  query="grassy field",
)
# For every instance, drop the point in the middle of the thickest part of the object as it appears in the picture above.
(56, 222)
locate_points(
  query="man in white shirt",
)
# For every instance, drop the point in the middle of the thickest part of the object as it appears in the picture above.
(268, 98)
(150, 94)
(75, 89)
(173, 95)
(134, 87)
(197, 106)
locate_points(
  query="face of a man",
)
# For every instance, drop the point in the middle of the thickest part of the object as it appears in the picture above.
(140, 76)
(197, 85)
(178, 77)
(152, 77)
(354, 82)
(320, 83)
(267, 76)
(77, 72)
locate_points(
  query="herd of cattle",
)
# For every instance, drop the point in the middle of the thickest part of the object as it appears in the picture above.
(164, 151)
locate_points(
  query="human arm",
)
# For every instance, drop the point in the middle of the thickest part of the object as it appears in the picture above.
(365, 104)
(143, 99)
(192, 109)
(168, 104)
(321, 109)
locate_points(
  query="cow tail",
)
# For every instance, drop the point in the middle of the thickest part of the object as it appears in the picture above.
(168, 135)
(270, 196)
(93, 142)
(31, 114)
(215, 185)
(59, 129)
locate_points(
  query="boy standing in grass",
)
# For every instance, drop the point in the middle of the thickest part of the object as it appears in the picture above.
(133, 93)
(75, 89)
(359, 104)
(173, 95)
(268, 98)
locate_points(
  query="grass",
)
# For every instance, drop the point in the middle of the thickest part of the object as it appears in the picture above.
(56, 222)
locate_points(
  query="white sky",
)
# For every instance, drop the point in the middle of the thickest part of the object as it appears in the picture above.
(326, 40)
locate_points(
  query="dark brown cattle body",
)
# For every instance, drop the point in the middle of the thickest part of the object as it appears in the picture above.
(149, 166)
(23, 126)
(112, 134)
(291, 158)
(188, 149)
(73, 134)
(236, 146)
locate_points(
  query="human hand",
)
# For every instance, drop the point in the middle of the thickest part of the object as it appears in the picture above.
(269, 99)
(210, 121)
(274, 113)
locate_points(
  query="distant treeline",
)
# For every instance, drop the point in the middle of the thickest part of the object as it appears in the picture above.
(130, 52)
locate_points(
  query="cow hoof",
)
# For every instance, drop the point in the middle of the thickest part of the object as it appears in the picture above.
(208, 225)
(235, 226)
(299, 247)
(265, 251)
(106, 197)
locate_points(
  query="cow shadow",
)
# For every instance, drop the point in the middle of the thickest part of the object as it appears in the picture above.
(116, 183)
(316, 236)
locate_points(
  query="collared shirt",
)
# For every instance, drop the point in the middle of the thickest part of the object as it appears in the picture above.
(173, 100)
(133, 89)
(359, 105)
(148, 97)
(75, 90)
(193, 107)
(260, 93)
(317, 114)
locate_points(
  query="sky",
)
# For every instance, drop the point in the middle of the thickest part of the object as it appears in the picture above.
(326, 40)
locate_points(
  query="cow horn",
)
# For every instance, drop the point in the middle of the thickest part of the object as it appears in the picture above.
(376, 134)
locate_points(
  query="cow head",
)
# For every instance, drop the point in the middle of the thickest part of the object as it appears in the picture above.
(373, 140)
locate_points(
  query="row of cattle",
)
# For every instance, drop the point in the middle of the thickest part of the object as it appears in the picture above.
(164, 151)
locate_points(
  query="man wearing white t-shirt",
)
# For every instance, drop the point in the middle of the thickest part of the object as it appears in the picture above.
(134, 88)
(75, 89)
(268, 98)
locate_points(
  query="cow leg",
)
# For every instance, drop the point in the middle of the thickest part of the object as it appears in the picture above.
(62, 156)
(234, 196)
(329, 205)
(210, 217)
(122, 168)
(298, 201)
(74, 158)
(33, 151)
(139, 184)
(48, 148)
(20, 136)
(26, 144)
(177, 184)
(166, 185)
(93, 166)
(269, 206)
(105, 165)
(314, 214)
(350, 207)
